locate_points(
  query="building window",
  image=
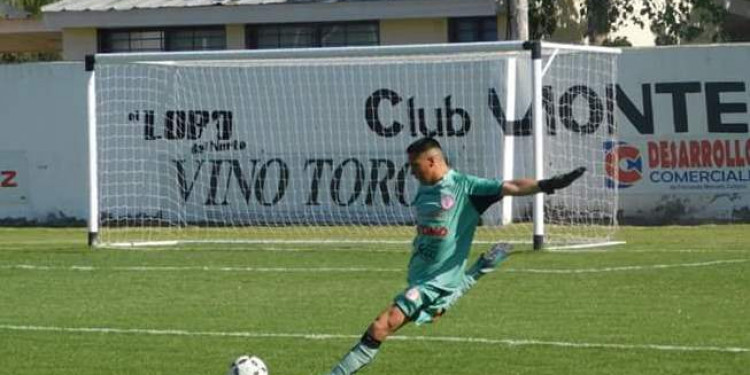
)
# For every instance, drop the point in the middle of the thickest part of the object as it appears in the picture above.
(167, 39)
(472, 29)
(306, 35)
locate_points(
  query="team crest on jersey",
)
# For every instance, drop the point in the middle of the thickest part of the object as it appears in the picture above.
(412, 294)
(447, 201)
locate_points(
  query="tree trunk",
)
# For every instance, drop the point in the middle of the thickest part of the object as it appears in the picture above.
(518, 16)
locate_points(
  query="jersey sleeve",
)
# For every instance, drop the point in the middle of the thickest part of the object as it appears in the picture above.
(483, 192)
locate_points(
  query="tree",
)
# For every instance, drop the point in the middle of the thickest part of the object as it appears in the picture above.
(671, 21)
(685, 20)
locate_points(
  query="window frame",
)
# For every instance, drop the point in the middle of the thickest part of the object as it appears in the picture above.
(477, 22)
(252, 32)
(104, 45)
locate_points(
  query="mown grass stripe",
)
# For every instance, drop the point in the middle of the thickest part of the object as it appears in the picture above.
(328, 336)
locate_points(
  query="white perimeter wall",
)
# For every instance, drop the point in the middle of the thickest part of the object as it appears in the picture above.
(43, 141)
(43, 137)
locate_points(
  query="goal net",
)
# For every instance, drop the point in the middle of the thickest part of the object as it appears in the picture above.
(309, 145)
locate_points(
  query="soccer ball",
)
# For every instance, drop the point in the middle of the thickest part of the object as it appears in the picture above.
(248, 365)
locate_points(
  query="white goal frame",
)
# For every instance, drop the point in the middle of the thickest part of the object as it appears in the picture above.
(532, 49)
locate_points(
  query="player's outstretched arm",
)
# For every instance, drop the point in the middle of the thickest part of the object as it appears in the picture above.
(522, 186)
(528, 186)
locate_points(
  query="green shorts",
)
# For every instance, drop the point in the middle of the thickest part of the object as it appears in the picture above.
(424, 302)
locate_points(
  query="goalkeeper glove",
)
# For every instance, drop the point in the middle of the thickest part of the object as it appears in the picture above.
(560, 181)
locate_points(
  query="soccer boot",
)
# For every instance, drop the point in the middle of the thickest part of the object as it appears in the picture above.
(490, 259)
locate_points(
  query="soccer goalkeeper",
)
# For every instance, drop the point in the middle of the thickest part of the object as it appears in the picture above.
(448, 206)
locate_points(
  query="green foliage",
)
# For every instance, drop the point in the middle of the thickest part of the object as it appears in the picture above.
(684, 21)
(543, 15)
(672, 21)
(24, 57)
(620, 41)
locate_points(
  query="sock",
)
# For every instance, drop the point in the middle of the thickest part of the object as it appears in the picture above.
(358, 357)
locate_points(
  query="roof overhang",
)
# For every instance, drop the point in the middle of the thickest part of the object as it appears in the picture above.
(28, 36)
(273, 13)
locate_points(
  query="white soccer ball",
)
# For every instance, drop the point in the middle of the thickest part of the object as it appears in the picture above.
(248, 365)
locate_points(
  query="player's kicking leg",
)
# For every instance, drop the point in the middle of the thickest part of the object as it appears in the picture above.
(489, 260)
(387, 323)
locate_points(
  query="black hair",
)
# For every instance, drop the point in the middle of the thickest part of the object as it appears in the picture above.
(423, 144)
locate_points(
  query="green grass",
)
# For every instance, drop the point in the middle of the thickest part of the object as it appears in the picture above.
(198, 319)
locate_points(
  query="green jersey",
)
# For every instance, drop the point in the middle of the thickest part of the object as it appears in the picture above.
(447, 215)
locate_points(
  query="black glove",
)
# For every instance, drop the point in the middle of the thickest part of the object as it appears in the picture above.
(560, 181)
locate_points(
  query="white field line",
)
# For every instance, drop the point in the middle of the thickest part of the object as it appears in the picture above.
(386, 249)
(30, 267)
(324, 336)
(626, 268)
(407, 249)
(688, 251)
(654, 251)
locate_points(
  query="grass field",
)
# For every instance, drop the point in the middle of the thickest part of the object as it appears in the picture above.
(673, 300)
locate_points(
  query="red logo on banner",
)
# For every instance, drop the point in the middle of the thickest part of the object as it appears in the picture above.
(623, 164)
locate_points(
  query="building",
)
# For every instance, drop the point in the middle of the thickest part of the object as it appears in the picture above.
(90, 26)
(19, 32)
(80, 27)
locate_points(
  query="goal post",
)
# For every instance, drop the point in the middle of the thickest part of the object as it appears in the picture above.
(308, 145)
(93, 170)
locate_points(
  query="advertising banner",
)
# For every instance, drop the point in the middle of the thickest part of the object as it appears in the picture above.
(684, 150)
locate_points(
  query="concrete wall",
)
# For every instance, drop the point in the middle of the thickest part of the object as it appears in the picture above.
(28, 35)
(77, 43)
